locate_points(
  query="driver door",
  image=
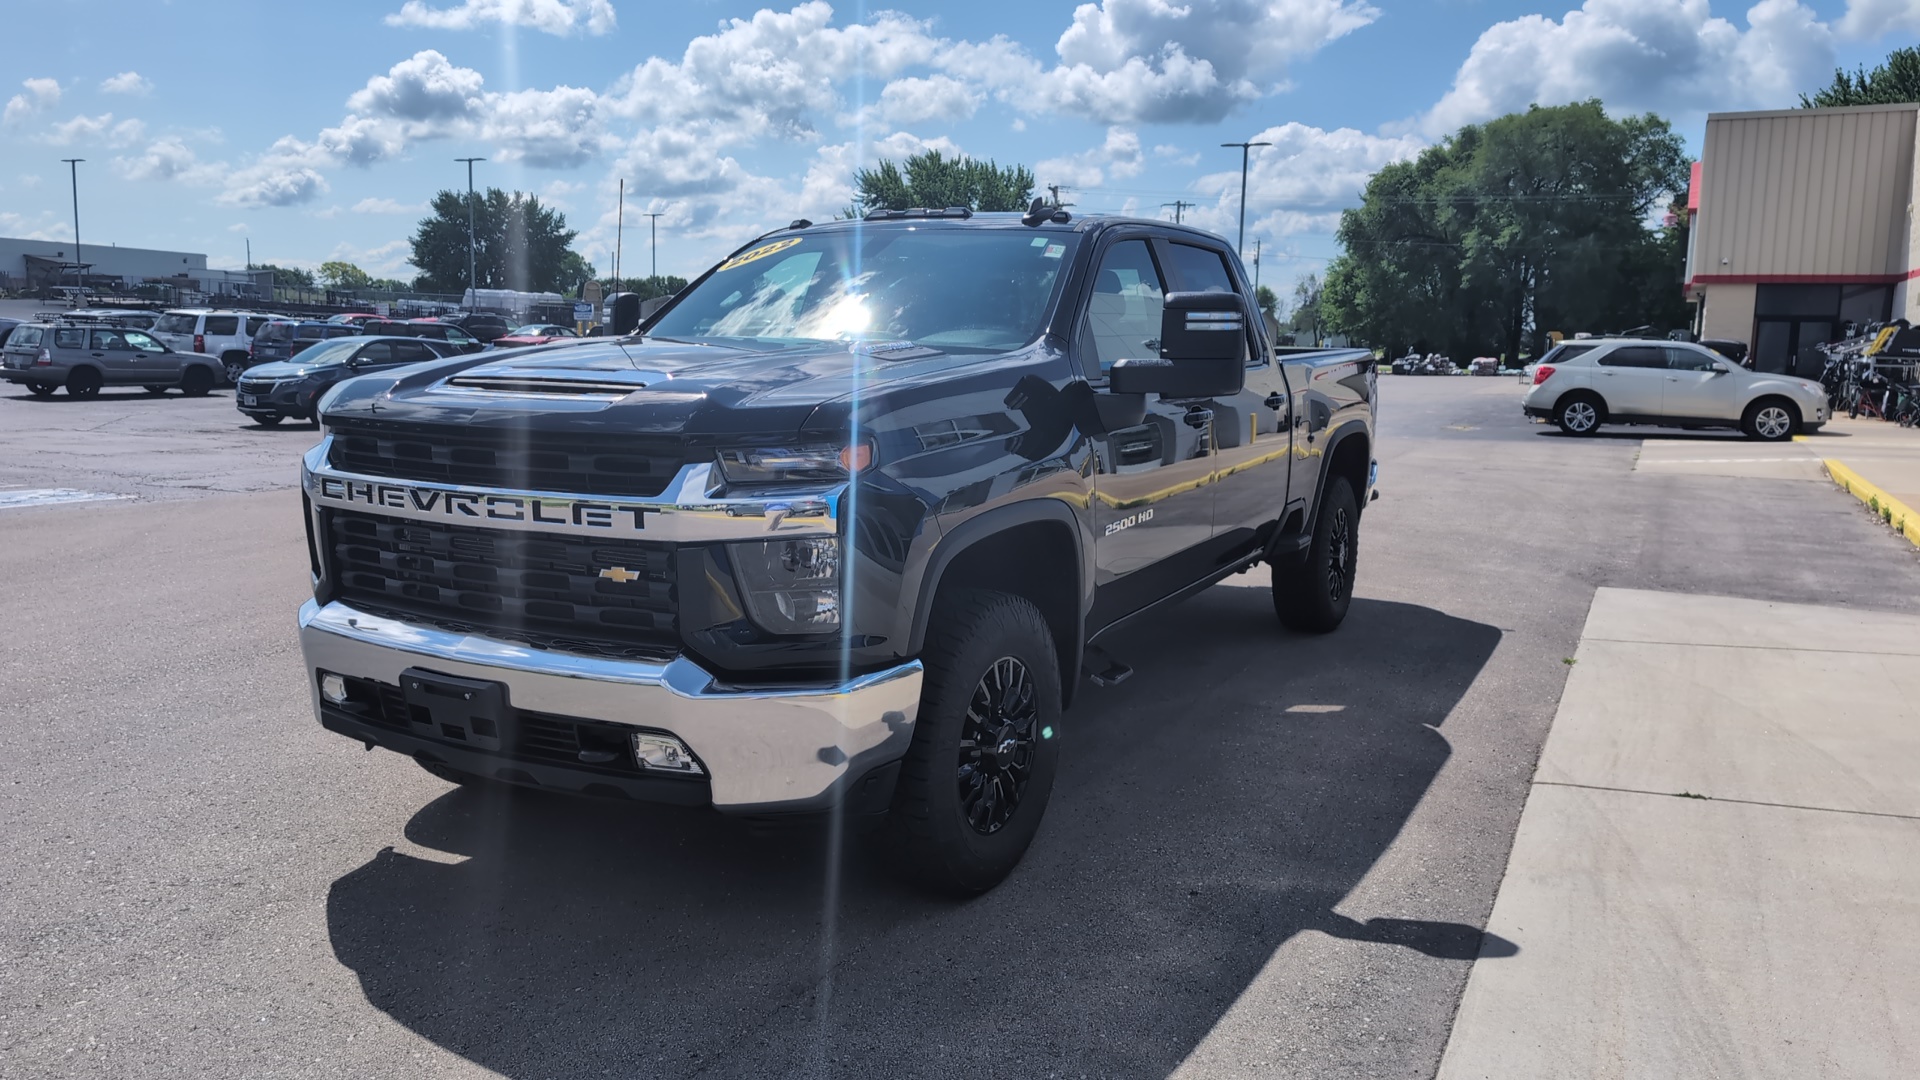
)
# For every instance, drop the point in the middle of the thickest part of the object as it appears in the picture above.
(1152, 496)
(1700, 386)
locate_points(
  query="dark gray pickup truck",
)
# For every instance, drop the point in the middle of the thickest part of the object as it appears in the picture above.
(841, 527)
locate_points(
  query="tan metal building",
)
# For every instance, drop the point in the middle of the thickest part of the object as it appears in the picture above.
(1803, 227)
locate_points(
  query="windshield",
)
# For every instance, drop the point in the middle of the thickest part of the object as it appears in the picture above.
(956, 289)
(331, 352)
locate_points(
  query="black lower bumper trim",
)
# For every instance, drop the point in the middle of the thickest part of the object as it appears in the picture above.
(678, 791)
(1537, 411)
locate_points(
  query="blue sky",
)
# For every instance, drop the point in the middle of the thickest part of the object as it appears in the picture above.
(320, 131)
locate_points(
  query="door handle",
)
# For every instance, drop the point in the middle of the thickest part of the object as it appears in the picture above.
(99, 356)
(1198, 417)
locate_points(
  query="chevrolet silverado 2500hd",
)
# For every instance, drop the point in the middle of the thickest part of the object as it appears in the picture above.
(841, 526)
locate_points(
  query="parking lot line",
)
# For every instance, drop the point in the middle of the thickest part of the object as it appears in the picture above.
(17, 499)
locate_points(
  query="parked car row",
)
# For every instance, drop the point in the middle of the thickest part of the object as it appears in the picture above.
(85, 357)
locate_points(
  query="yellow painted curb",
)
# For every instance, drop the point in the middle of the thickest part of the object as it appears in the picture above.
(1903, 518)
(1799, 438)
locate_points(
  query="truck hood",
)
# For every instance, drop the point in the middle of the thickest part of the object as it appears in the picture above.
(641, 386)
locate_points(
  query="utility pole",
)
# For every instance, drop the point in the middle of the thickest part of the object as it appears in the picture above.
(653, 237)
(1246, 149)
(619, 231)
(1056, 189)
(1256, 266)
(473, 280)
(79, 272)
(1179, 207)
(249, 253)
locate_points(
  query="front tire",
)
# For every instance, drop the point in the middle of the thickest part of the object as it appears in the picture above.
(1770, 420)
(269, 421)
(1312, 594)
(1580, 414)
(196, 381)
(975, 781)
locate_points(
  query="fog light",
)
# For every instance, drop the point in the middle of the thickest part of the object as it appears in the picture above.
(333, 688)
(664, 753)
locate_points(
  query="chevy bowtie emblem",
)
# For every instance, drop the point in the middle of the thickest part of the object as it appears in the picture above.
(620, 574)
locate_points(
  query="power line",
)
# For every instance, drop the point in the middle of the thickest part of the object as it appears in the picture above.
(1179, 206)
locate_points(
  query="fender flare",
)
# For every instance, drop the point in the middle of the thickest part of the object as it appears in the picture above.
(955, 542)
(1340, 434)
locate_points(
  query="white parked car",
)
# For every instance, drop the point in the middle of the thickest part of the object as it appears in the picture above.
(225, 335)
(1581, 385)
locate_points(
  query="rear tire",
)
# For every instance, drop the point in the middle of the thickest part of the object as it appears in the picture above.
(269, 421)
(196, 381)
(83, 383)
(1312, 594)
(41, 389)
(974, 784)
(1770, 420)
(234, 369)
(1580, 414)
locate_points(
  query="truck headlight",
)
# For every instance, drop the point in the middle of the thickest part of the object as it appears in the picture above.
(791, 586)
(785, 465)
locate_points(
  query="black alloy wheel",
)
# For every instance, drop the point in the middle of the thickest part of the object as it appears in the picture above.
(974, 784)
(997, 743)
(1312, 593)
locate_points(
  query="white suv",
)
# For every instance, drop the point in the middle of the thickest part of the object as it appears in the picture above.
(1581, 385)
(225, 335)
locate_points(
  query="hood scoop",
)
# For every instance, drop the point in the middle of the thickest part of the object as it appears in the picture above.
(545, 385)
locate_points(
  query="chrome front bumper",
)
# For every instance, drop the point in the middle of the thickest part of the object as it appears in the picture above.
(764, 748)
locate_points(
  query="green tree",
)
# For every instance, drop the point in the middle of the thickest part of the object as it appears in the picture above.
(519, 244)
(1306, 307)
(1893, 83)
(1267, 301)
(647, 287)
(1532, 222)
(343, 275)
(288, 277)
(932, 180)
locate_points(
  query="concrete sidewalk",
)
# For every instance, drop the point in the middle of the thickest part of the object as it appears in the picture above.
(1717, 873)
(1878, 461)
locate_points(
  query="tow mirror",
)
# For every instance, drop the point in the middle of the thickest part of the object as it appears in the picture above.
(1203, 348)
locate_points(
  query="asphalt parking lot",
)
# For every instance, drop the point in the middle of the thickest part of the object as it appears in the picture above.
(1266, 853)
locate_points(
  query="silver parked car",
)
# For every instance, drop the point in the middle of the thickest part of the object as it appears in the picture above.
(1581, 385)
(84, 357)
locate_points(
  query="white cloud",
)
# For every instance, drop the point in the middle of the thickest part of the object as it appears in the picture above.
(1868, 19)
(167, 158)
(387, 206)
(424, 87)
(41, 95)
(127, 82)
(936, 97)
(1119, 156)
(95, 128)
(388, 260)
(237, 227)
(277, 182)
(1669, 56)
(1300, 183)
(559, 17)
(554, 128)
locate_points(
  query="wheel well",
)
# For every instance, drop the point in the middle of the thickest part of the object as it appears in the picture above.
(1038, 561)
(1352, 459)
(233, 354)
(1582, 393)
(74, 369)
(1792, 407)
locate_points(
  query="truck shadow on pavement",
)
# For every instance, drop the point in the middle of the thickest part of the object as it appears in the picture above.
(1197, 825)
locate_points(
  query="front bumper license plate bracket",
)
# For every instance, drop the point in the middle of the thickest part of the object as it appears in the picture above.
(470, 711)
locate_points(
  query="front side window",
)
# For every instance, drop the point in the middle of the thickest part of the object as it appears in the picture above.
(1199, 270)
(379, 352)
(109, 340)
(137, 339)
(1123, 317)
(1689, 360)
(953, 289)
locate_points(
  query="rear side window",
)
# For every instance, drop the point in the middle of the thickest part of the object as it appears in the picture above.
(271, 332)
(1560, 354)
(407, 352)
(70, 338)
(222, 325)
(1636, 356)
(254, 323)
(309, 333)
(176, 324)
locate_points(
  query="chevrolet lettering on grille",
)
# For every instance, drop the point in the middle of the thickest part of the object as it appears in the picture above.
(461, 505)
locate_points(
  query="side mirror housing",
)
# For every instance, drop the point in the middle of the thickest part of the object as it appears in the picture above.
(1203, 343)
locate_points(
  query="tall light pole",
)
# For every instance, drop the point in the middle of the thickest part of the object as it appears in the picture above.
(653, 238)
(619, 231)
(1246, 148)
(473, 281)
(79, 274)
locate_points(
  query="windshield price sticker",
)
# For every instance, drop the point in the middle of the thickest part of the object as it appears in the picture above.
(760, 252)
